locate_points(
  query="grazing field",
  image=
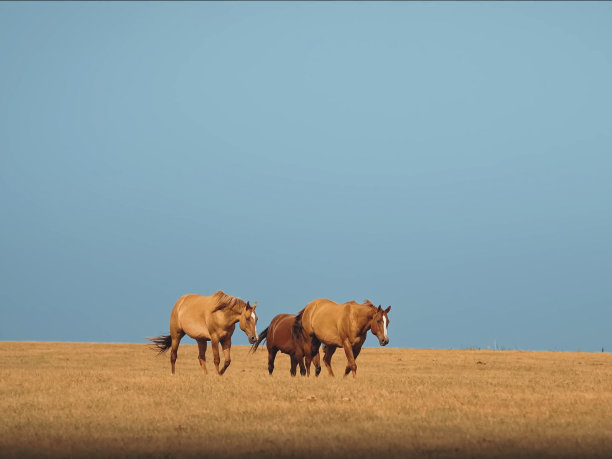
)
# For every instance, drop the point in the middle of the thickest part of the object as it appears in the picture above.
(69, 399)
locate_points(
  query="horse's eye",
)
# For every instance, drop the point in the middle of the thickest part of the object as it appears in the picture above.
(380, 321)
(248, 318)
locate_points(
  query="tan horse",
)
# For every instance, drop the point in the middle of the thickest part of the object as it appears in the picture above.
(278, 336)
(208, 318)
(339, 325)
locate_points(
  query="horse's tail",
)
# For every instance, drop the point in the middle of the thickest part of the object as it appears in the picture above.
(161, 343)
(297, 330)
(260, 339)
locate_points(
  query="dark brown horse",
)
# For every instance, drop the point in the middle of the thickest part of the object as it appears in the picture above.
(208, 318)
(339, 325)
(279, 337)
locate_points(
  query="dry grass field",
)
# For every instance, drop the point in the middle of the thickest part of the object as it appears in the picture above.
(64, 399)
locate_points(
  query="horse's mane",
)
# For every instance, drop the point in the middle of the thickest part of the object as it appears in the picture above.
(225, 301)
(366, 302)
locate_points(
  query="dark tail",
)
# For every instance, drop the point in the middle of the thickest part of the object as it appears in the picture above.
(161, 343)
(262, 337)
(297, 329)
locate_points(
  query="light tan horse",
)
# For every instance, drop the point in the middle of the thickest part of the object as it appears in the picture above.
(339, 325)
(208, 318)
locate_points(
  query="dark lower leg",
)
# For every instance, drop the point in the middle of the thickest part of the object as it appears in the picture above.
(271, 357)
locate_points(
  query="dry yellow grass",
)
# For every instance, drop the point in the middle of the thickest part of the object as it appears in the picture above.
(65, 399)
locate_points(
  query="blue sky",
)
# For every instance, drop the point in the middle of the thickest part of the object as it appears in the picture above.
(452, 160)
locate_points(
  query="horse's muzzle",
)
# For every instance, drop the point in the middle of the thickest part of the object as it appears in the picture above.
(384, 342)
(252, 339)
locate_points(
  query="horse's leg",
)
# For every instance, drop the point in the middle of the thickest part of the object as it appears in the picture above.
(329, 352)
(271, 356)
(176, 336)
(356, 351)
(348, 350)
(312, 348)
(317, 363)
(215, 348)
(300, 360)
(307, 353)
(226, 344)
(294, 363)
(298, 355)
(202, 354)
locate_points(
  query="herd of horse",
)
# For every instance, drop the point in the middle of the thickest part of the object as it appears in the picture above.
(322, 322)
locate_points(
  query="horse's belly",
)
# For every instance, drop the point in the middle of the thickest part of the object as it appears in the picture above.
(329, 339)
(286, 347)
(196, 330)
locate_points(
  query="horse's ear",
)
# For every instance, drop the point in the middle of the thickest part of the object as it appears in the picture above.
(248, 305)
(379, 308)
(254, 305)
(388, 309)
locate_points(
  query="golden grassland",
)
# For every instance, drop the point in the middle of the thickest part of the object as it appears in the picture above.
(83, 399)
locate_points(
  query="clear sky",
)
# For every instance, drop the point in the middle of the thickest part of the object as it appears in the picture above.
(453, 160)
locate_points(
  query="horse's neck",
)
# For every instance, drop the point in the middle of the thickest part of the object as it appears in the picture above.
(231, 316)
(363, 315)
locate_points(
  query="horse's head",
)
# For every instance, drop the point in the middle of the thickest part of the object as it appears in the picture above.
(248, 320)
(380, 322)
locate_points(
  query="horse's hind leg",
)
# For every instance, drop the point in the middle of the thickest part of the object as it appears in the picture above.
(176, 336)
(311, 348)
(317, 363)
(300, 361)
(329, 352)
(294, 363)
(271, 356)
(202, 354)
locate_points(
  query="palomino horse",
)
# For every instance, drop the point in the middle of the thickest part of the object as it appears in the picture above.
(279, 337)
(339, 325)
(208, 318)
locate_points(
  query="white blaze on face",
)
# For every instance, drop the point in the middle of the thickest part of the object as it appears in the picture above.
(254, 323)
(385, 327)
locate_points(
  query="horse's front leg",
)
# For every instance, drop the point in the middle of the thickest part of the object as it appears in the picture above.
(327, 356)
(202, 354)
(226, 344)
(348, 350)
(214, 343)
(356, 351)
